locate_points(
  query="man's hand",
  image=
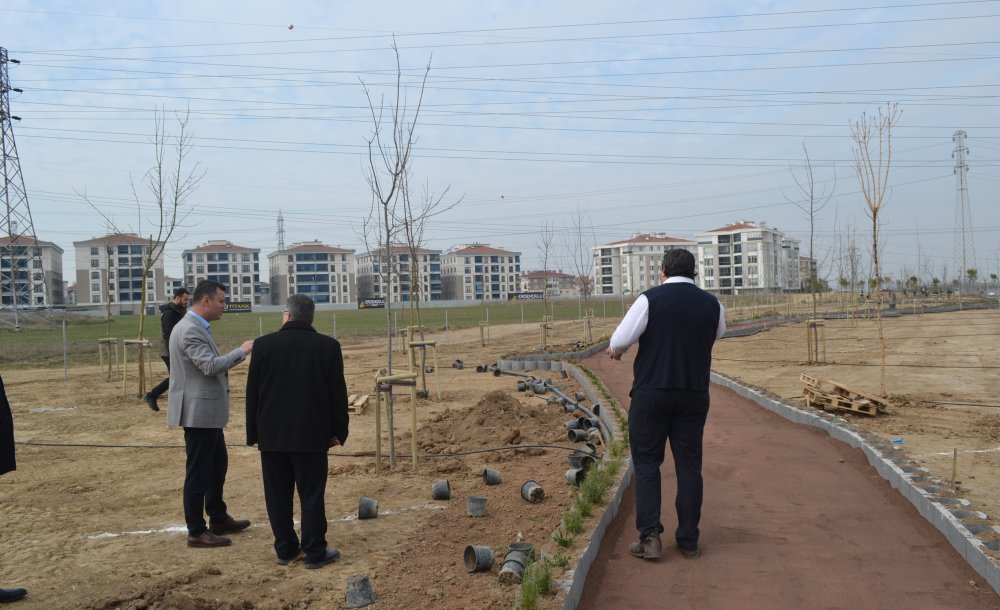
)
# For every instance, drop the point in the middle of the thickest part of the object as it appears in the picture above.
(247, 346)
(334, 441)
(613, 353)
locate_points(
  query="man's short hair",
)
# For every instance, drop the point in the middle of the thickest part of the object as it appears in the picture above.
(301, 308)
(679, 262)
(206, 288)
(181, 292)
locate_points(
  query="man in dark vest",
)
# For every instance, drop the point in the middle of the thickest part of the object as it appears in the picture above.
(170, 314)
(296, 410)
(676, 324)
(7, 464)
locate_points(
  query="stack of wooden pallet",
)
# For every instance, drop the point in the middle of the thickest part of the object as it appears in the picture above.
(832, 396)
(357, 404)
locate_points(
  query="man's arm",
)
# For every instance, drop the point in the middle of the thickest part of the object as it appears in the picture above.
(338, 407)
(630, 329)
(199, 351)
(253, 377)
(722, 321)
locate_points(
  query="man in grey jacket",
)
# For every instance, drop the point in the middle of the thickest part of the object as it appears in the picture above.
(199, 401)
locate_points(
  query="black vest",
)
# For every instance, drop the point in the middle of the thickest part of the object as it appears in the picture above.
(675, 350)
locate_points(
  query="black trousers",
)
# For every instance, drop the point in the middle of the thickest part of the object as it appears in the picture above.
(165, 384)
(654, 417)
(204, 478)
(283, 473)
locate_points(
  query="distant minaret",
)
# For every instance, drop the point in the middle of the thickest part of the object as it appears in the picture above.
(965, 249)
(22, 282)
(281, 232)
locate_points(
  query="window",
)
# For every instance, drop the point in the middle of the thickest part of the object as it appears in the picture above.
(94, 252)
(95, 287)
(94, 263)
(95, 275)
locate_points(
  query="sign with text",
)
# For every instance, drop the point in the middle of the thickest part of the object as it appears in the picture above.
(535, 295)
(239, 307)
(375, 303)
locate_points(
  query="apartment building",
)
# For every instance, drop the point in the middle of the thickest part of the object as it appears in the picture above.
(420, 276)
(745, 257)
(633, 265)
(235, 267)
(325, 273)
(170, 284)
(554, 283)
(477, 272)
(110, 269)
(31, 281)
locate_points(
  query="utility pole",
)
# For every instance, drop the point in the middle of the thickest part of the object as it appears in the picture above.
(965, 250)
(21, 275)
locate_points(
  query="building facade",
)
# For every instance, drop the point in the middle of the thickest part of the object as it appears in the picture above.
(170, 284)
(110, 269)
(325, 273)
(235, 267)
(478, 272)
(554, 283)
(633, 265)
(420, 278)
(746, 257)
(31, 281)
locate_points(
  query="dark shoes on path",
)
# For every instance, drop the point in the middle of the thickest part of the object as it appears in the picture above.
(151, 401)
(229, 526)
(12, 595)
(647, 548)
(331, 556)
(282, 561)
(208, 540)
(689, 553)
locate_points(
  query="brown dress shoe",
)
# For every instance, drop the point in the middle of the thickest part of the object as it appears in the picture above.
(647, 548)
(229, 526)
(208, 540)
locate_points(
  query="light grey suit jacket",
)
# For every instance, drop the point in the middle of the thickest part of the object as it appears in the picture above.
(199, 382)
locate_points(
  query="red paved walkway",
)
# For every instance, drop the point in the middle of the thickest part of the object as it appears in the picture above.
(792, 519)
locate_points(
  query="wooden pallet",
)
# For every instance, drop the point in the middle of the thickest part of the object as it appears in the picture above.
(832, 396)
(357, 404)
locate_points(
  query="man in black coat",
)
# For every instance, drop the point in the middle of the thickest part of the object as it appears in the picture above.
(7, 464)
(296, 410)
(170, 314)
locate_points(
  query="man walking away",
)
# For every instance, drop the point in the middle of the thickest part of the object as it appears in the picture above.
(296, 410)
(170, 314)
(676, 324)
(8, 463)
(199, 401)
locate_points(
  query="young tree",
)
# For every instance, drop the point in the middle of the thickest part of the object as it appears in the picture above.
(578, 245)
(545, 244)
(872, 135)
(811, 201)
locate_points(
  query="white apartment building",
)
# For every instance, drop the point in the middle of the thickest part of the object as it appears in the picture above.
(745, 257)
(554, 283)
(235, 267)
(425, 270)
(34, 282)
(170, 284)
(478, 272)
(109, 269)
(633, 265)
(325, 273)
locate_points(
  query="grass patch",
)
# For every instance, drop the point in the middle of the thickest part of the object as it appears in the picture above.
(563, 538)
(535, 582)
(573, 521)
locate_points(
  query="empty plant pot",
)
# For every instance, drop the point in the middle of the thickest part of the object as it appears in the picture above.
(480, 368)
(491, 477)
(576, 436)
(532, 492)
(581, 460)
(522, 386)
(475, 506)
(570, 407)
(367, 508)
(572, 424)
(588, 422)
(580, 396)
(511, 572)
(575, 476)
(359, 591)
(458, 364)
(563, 374)
(441, 490)
(539, 388)
(478, 558)
(528, 548)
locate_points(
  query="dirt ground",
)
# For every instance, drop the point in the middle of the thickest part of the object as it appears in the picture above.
(101, 527)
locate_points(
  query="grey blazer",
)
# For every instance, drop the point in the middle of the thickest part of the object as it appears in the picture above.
(199, 382)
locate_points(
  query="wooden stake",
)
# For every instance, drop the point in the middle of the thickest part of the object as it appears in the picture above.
(954, 469)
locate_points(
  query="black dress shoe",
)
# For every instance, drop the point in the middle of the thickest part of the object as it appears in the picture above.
(331, 556)
(207, 540)
(151, 401)
(229, 526)
(12, 595)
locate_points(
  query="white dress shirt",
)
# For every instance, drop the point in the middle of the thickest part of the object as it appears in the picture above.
(634, 323)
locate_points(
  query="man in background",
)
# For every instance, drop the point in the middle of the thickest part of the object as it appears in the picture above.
(676, 324)
(296, 410)
(199, 401)
(170, 314)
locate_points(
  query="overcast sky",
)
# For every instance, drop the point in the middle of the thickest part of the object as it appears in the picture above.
(643, 116)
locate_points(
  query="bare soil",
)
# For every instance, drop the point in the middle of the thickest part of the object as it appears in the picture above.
(101, 526)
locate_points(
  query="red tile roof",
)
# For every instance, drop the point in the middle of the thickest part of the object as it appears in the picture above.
(652, 239)
(315, 246)
(115, 239)
(740, 226)
(217, 246)
(25, 240)
(481, 249)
